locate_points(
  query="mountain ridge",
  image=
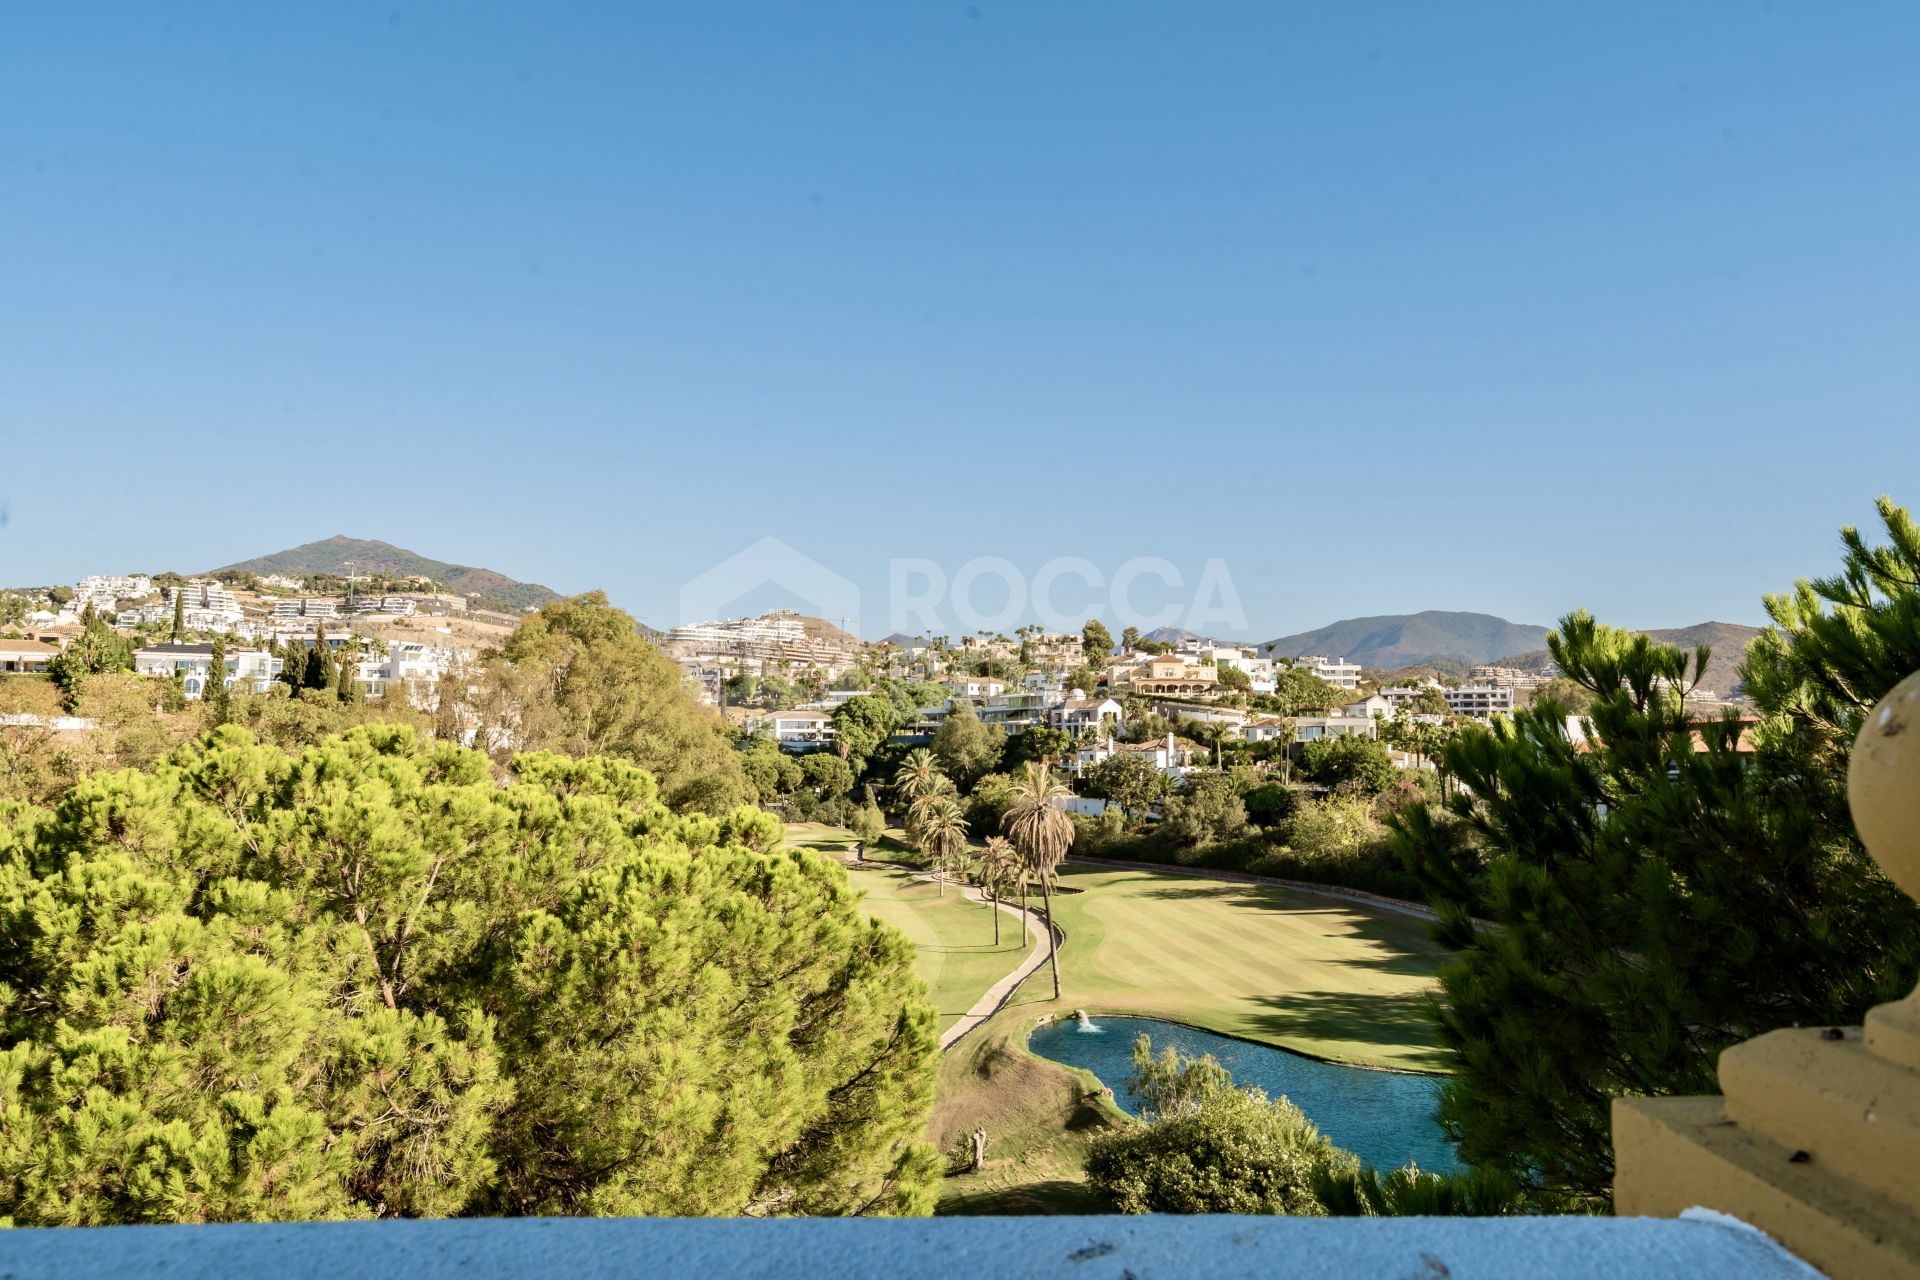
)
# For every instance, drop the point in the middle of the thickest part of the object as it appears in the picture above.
(370, 555)
(1395, 640)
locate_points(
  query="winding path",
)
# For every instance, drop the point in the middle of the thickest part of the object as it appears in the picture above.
(1000, 992)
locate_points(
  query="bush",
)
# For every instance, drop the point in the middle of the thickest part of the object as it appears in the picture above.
(1211, 1148)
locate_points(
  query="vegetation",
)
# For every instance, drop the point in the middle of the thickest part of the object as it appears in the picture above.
(1208, 1147)
(578, 678)
(1042, 833)
(1659, 893)
(367, 980)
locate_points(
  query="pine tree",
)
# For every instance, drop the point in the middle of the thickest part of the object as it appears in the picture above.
(214, 691)
(1659, 890)
(394, 987)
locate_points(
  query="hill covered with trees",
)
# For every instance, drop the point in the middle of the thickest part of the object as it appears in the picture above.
(368, 555)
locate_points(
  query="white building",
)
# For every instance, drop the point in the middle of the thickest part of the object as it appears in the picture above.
(1163, 754)
(1311, 728)
(1372, 705)
(209, 606)
(105, 591)
(305, 607)
(976, 687)
(1265, 729)
(798, 730)
(252, 669)
(1079, 715)
(18, 656)
(1335, 671)
(1480, 701)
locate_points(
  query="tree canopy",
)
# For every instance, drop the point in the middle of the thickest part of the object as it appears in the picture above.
(1664, 885)
(367, 980)
(580, 679)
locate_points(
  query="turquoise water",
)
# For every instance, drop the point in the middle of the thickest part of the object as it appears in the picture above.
(1384, 1117)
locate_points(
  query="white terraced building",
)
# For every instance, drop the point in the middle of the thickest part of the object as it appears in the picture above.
(1335, 671)
(209, 606)
(105, 591)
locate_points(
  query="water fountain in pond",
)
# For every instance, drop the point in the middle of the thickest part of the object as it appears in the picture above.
(1084, 1024)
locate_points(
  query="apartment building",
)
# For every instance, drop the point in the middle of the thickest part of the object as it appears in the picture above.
(305, 607)
(208, 606)
(1335, 671)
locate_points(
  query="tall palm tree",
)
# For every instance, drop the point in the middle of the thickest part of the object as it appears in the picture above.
(917, 775)
(943, 837)
(1000, 867)
(1043, 833)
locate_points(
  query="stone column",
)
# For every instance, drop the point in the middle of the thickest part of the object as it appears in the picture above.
(1816, 1139)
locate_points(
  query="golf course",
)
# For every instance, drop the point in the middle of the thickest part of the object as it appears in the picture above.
(1316, 975)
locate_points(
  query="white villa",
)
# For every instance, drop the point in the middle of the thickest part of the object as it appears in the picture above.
(253, 669)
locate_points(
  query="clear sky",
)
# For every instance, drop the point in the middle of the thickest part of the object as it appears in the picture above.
(1509, 308)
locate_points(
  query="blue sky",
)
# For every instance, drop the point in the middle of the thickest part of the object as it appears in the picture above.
(1510, 308)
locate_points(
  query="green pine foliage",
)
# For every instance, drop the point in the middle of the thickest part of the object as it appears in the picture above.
(1660, 891)
(367, 980)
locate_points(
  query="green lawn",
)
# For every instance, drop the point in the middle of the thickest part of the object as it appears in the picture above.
(952, 937)
(1316, 975)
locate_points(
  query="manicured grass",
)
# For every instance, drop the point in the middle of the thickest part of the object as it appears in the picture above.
(952, 937)
(1315, 975)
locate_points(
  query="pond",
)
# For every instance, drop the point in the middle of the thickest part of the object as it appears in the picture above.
(1384, 1117)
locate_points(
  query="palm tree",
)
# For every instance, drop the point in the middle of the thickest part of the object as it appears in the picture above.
(1000, 867)
(940, 790)
(917, 775)
(1043, 833)
(943, 837)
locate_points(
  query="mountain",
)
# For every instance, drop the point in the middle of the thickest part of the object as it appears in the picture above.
(1172, 635)
(1404, 639)
(1728, 640)
(484, 586)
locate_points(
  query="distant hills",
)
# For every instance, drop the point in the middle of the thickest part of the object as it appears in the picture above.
(1728, 640)
(1405, 639)
(484, 587)
(1450, 642)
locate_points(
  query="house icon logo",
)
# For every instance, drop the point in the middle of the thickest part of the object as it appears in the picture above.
(769, 562)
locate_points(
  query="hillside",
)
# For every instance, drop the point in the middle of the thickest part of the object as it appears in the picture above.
(484, 586)
(1405, 639)
(1728, 640)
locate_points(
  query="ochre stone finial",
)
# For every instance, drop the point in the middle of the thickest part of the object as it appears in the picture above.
(1883, 784)
(1883, 790)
